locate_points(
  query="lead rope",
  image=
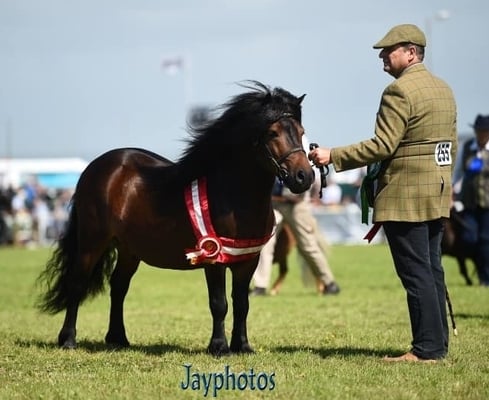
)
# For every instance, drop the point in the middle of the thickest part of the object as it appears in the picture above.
(323, 172)
(450, 310)
(367, 189)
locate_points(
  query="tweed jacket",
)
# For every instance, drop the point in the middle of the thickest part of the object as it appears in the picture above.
(416, 141)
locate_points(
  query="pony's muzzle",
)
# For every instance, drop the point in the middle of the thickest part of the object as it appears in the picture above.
(300, 181)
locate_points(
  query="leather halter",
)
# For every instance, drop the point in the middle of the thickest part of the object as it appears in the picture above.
(282, 173)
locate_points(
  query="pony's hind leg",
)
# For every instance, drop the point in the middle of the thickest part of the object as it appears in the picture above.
(67, 334)
(216, 286)
(86, 277)
(124, 270)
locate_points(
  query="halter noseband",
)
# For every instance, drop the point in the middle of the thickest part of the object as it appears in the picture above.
(282, 173)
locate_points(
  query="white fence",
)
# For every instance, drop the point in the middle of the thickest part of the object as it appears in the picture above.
(343, 225)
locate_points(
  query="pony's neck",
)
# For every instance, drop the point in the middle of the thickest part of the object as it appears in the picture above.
(243, 196)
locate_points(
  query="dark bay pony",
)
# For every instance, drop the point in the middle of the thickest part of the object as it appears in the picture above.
(211, 209)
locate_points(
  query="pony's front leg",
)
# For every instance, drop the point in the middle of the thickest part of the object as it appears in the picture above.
(215, 276)
(242, 274)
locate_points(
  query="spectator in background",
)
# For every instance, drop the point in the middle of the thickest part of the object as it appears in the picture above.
(42, 219)
(296, 211)
(474, 196)
(22, 221)
(31, 192)
(19, 200)
(60, 212)
(40, 224)
(23, 227)
(349, 182)
(6, 220)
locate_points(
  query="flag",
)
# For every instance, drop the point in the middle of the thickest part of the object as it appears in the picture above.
(172, 65)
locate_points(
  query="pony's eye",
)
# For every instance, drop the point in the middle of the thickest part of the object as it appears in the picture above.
(272, 134)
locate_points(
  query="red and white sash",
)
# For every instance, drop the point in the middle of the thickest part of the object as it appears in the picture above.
(210, 248)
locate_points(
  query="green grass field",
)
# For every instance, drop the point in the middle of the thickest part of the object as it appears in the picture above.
(307, 346)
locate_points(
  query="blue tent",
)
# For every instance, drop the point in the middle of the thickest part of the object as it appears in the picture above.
(58, 180)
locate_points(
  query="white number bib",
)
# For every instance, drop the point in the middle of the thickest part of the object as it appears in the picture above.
(443, 155)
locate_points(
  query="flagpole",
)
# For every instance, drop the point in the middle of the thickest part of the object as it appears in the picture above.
(8, 139)
(7, 178)
(181, 64)
(187, 83)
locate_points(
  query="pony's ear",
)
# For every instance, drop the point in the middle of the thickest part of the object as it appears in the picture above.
(299, 100)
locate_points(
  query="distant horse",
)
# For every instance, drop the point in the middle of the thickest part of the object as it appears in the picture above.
(283, 246)
(211, 209)
(452, 244)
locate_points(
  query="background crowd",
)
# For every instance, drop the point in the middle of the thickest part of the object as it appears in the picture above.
(32, 215)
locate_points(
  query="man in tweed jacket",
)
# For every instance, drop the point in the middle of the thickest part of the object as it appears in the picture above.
(416, 142)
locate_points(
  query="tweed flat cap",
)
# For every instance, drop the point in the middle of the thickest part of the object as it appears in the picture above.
(406, 33)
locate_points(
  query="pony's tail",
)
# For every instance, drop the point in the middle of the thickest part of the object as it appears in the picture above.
(65, 285)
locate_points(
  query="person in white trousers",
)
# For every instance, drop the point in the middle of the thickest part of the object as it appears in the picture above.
(296, 211)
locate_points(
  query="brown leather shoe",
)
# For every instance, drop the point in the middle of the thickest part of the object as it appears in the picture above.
(410, 357)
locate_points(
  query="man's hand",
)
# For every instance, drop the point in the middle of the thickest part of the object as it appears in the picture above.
(320, 156)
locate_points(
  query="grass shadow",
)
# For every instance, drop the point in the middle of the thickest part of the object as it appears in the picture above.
(93, 346)
(344, 352)
(471, 316)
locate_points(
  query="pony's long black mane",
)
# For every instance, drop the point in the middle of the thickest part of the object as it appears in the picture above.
(243, 122)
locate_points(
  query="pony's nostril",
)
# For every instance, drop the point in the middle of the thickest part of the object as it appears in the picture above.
(300, 177)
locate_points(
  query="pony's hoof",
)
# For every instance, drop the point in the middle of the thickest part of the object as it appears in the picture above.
(218, 348)
(116, 341)
(66, 341)
(68, 344)
(117, 344)
(243, 348)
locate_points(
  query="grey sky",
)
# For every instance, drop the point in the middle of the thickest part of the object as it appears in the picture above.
(81, 77)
